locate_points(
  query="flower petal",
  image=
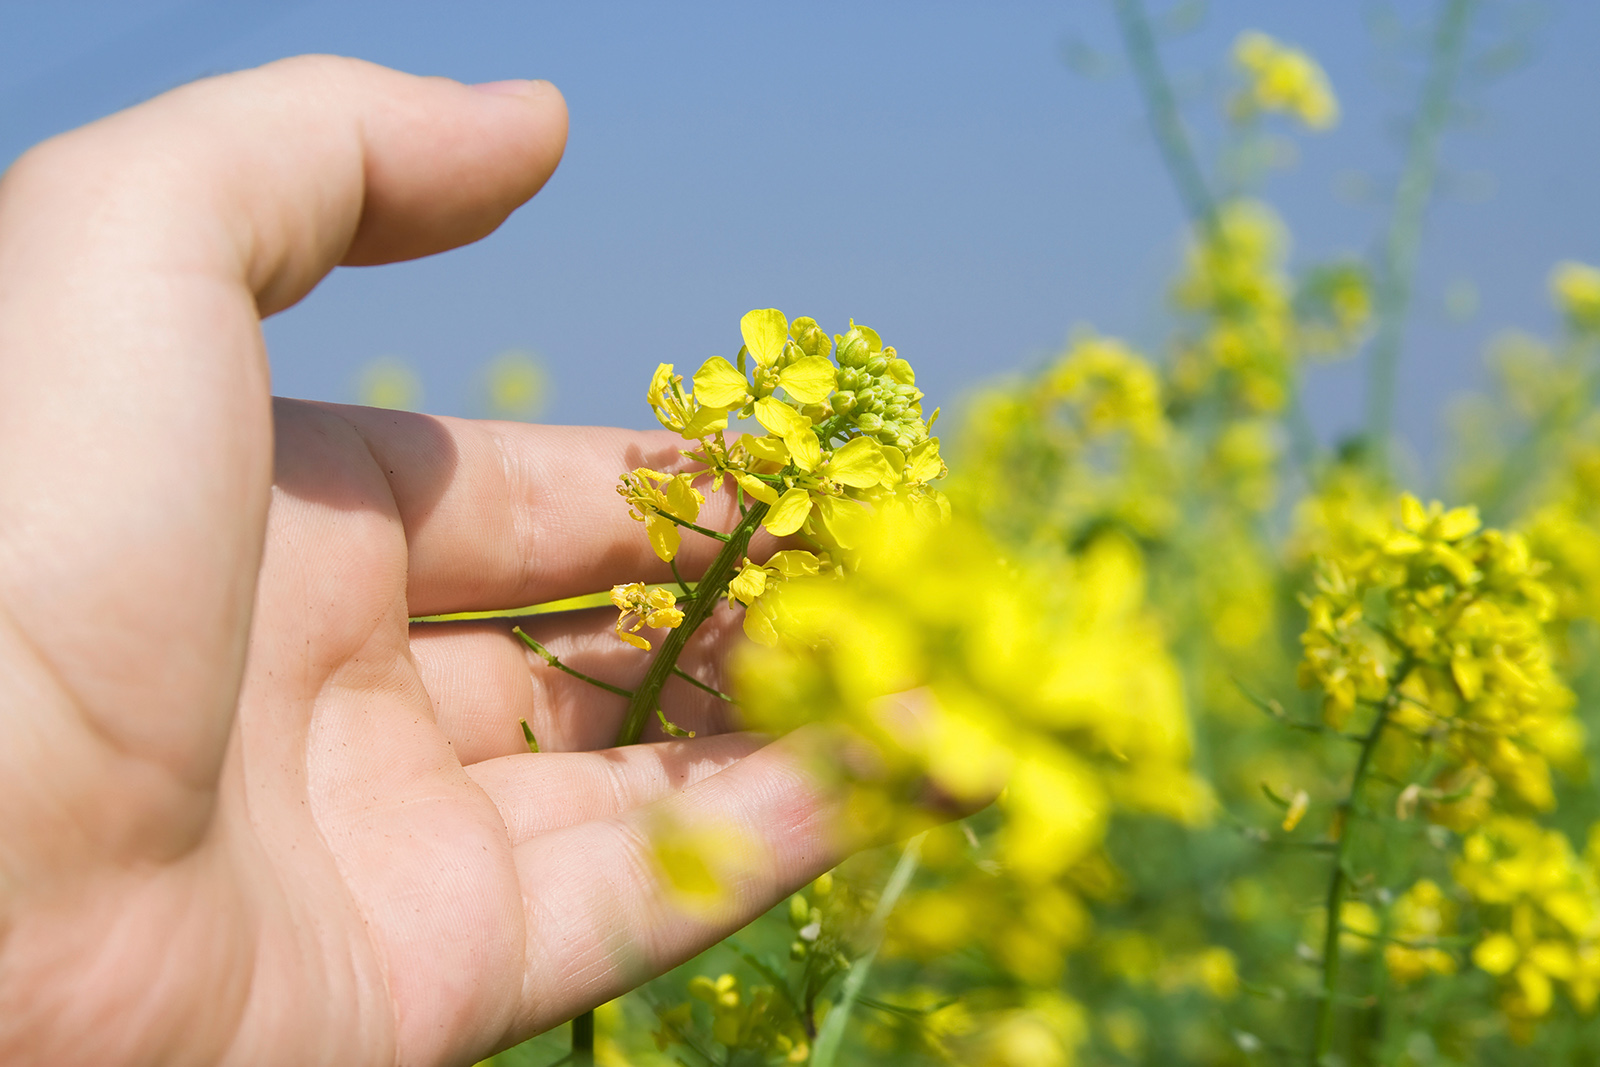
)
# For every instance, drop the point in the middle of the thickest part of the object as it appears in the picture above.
(765, 331)
(789, 513)
(757, 489)
(779, 418)
(808, 380)
(664, 536)
(860, 463)
(718, 384)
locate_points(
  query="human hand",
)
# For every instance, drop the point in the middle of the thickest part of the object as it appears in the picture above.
(247, 813)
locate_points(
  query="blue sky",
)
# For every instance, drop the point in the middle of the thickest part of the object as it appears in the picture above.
(933, 169)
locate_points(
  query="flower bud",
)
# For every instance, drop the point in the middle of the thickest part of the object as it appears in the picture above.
(844, 402)
(799, 911)
(811, 338)
(853, 349)
(869, 422)
(876, 364)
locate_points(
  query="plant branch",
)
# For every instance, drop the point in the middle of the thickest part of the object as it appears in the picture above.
(583, 1040)
(687, 525)
(698, 684)
(1165, 122)
(555, 661)
(1404, 239)
(644, 700)
(1339, 880)
(826, 1050)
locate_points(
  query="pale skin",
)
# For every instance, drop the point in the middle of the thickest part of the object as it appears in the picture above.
(248, 813)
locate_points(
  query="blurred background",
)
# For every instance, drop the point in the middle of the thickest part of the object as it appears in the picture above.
(972, 180)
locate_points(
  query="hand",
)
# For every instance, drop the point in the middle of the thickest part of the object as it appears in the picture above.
(247, 813)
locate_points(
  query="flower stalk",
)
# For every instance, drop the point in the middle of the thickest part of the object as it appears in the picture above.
(645, 700)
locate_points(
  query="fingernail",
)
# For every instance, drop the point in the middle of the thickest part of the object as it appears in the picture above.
(513, 87)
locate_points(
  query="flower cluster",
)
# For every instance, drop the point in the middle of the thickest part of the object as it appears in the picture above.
(967, 670)
(1234, 280)
(1086, 445)
(1282, 79)
(1576, 288)
(1421, 918)
(834, 436)
(1541, 906)
(756, 1020)
(1443, 626)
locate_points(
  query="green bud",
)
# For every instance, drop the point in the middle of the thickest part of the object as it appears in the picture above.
(799, 911)
(853, 349)
(809, 336)
(823, 886)
(869, 422)
(876, 365)
(797, 950)
(844, 402)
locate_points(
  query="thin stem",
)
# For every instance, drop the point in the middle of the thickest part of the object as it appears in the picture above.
(555, 661)
(1339, 880)
(698, 684)
(826, 1050)
(687, 525)
(1404, 240)
(673, 563)
(1165, 122)
(706, 594)
(583, 1040)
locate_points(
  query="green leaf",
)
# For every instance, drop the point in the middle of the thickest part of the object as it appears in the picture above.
(717, 384)
(808, 380)
(765, 331)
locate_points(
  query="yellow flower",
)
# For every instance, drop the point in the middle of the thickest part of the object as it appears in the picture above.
(1283, 79)
(652, 497)
(656, 608)
(1576, 287)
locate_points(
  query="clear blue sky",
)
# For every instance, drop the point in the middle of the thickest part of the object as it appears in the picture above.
(933, 169)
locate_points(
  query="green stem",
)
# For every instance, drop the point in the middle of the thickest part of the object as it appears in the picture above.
(683, 585)
(831, 1034)
(1165, 122)
(706, 594)
(687, 525)
(583, 1040)
(1404, 240)
(555, 661)
(698, 684)
(1339, 880)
